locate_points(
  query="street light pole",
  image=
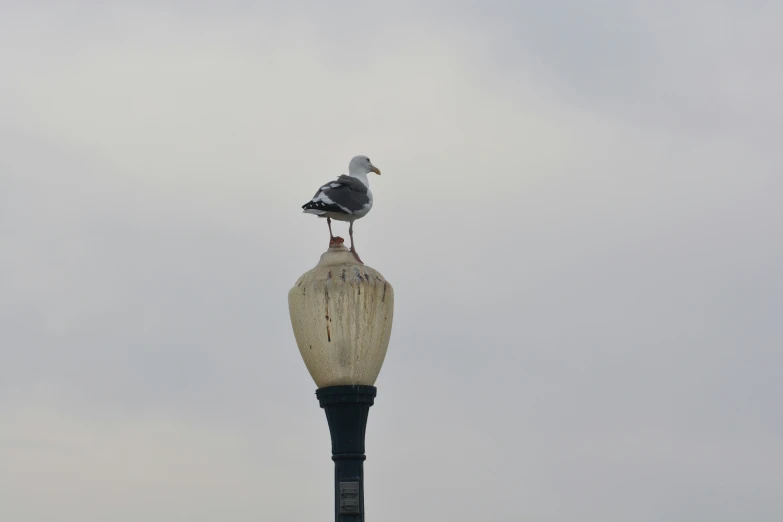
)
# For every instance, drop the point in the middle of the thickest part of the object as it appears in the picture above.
(346, 409)
(341, 313)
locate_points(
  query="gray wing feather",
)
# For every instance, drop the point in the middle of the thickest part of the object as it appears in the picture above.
(348, 195)
(353, 183)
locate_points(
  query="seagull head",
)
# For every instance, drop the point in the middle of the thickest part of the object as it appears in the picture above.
(361, 165)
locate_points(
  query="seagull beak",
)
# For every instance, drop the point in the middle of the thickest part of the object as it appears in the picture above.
(373, 168)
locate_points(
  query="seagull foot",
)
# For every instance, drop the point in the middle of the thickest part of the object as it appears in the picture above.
(356, 255)
(336, 241)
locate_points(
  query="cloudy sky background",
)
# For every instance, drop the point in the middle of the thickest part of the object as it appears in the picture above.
(580, 211)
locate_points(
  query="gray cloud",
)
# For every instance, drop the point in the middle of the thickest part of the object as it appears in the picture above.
(586, 284)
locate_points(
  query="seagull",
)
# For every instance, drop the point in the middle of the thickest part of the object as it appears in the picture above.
(347, 198)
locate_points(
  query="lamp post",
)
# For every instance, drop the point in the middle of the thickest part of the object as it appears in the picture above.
(341, 314)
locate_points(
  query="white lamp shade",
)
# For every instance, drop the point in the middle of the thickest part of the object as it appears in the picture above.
(341, 313)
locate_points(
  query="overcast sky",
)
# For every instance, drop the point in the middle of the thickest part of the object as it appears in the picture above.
(580, 211)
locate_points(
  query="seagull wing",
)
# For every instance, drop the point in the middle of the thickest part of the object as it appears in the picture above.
(345, 195)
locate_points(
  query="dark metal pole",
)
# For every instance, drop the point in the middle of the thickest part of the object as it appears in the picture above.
(346, 409)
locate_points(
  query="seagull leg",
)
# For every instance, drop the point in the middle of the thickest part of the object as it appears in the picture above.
(355, 254)
(333, 240)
